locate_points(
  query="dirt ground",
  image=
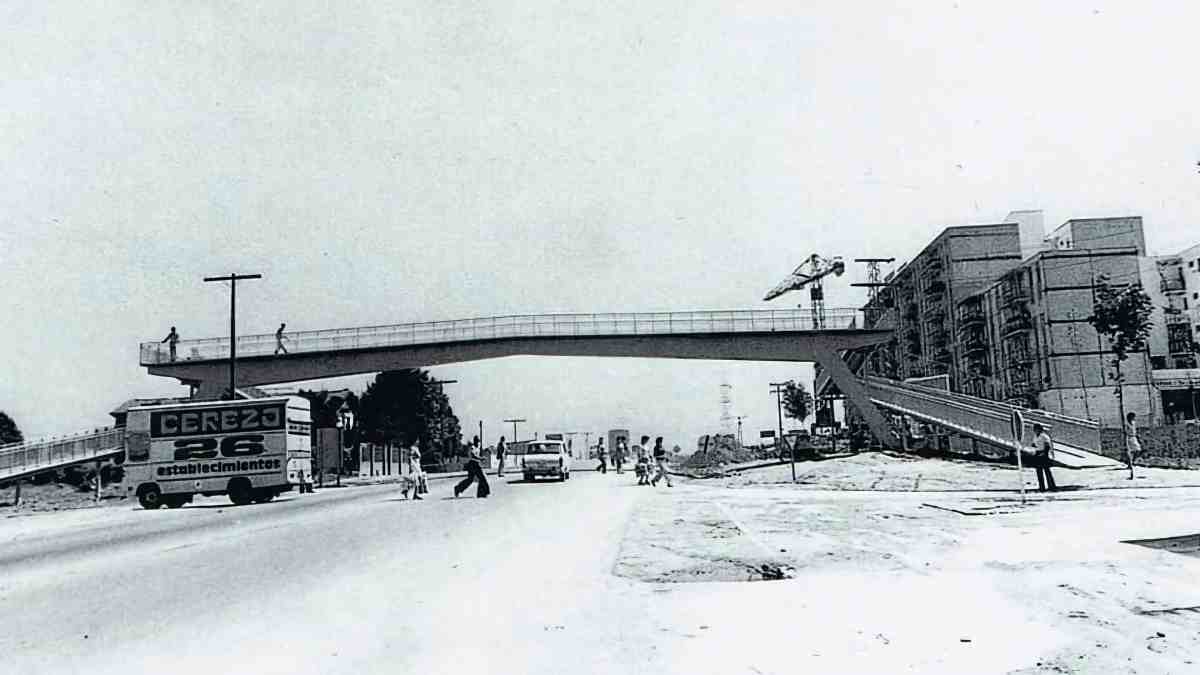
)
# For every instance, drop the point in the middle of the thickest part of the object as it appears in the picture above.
(1060, 562)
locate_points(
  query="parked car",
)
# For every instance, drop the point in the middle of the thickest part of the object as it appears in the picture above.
(546, 458)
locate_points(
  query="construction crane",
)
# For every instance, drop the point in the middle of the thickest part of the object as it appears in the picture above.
(809, 273)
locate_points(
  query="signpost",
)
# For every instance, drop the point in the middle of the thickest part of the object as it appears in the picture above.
(1017, 422)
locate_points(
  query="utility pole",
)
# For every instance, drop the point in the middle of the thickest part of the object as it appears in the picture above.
(233, 279)
(441, 429)
(777, 389)
(515, 421)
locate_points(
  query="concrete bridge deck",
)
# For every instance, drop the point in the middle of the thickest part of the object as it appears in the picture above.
(746, 335)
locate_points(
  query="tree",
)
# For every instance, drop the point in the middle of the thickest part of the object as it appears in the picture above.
(405, 407)
(9, 433)
(797, 402)
(1121, 314)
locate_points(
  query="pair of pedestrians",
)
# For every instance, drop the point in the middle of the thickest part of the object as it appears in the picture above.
(172, 340)
(646, 473)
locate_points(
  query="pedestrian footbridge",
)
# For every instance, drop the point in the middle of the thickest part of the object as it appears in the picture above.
(747, 335)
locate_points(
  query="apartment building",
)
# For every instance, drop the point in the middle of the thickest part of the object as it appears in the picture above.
(919, 303)
(1002, 311)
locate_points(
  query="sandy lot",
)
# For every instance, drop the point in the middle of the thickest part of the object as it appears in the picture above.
(1058, 565)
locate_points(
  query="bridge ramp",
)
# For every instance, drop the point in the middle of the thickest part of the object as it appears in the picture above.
(19, 460)
(1076, 441)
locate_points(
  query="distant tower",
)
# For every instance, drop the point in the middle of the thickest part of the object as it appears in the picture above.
(726, 408)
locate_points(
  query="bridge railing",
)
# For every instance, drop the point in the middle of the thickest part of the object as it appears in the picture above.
(20, 458)
(516, 326)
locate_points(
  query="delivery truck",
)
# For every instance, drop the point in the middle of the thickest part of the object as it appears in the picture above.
(250, 450)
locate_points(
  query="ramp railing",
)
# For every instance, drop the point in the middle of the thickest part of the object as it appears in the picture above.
(21, 459)
(490, 328)
(990, 421)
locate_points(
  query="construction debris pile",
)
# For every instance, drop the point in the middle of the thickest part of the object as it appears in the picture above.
(717, 450)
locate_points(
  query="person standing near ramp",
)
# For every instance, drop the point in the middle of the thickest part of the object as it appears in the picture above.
(1043, 452)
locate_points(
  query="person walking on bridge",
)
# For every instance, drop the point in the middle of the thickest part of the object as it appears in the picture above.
(280, 339)
(172, 339)
(474, 475)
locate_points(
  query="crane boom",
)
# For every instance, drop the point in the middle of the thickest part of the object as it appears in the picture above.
(812, 270)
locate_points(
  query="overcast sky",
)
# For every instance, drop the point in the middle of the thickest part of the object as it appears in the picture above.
(388, 162)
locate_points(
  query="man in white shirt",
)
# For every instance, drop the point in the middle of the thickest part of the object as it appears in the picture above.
(1043, 452)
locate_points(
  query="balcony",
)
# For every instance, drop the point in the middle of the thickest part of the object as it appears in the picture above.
(943, 356)
(974, 344)
(1017, 323)
(935, 287)
(936, 316)
(978, 371)
(1172, 284)
(970, 318)
(933, 269)
(1014, 292)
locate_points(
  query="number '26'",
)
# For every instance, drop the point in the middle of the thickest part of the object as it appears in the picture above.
(230, 446)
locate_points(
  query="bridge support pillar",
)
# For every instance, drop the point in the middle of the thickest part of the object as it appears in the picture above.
(856, 393)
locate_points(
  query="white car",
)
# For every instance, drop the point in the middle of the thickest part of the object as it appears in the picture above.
(546, 458)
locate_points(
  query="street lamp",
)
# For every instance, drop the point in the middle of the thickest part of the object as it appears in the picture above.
(233, 279)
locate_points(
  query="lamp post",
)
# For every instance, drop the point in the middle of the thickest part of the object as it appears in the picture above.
(233, 279)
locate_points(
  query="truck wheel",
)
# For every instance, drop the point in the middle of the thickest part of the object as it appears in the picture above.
(150, 497)
(240, 492)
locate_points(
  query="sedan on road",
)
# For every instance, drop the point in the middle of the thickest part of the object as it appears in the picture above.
(546, 458)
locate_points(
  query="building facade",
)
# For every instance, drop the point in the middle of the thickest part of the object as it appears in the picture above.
(1007, 320)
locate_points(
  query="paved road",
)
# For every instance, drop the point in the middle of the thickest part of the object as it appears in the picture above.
(359, 581)
(350, 580)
